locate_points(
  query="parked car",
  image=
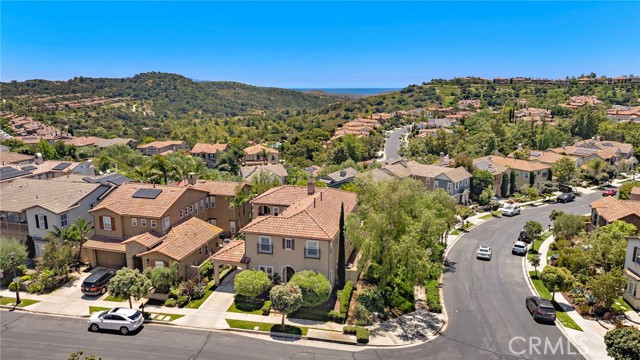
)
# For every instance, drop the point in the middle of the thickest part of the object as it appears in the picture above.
(519, 248)
(540, 308)
(566, 197)
(121, 319)
(511, 210)
(484, 252)
(553, 259)
(610, 192)
(97, 282)
(524, 237)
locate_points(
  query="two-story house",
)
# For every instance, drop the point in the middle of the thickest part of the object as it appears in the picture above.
(31, 208)
(527, 173)
(496, 170)
(145, 225)
(609, 209)
(273, 172)
(340, 177)
(208, 152)
(260, 154)
(632, 272)
(296, 228)
(162, 147)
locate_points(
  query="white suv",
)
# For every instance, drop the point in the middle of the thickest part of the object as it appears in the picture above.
(511, 210)
(121, 319)
(519, 248)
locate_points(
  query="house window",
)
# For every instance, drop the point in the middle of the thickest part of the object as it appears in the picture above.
(632, 287)
(186, 211)
(134, 221)
(41, 222)
(143, 222)
(636, 255)
(232, 227)
(267, 269)
(212, 202)
(165, 223)
(200, 250)
(158, 264)
(206, 249)
(448, 186)
(435, 184)
(180, 214)
(264, 245)
(195, 204)
(64, 220)
(457, 185)
(276, 211)
(201, 204)
(330, 249)
(288, 244)
(213, 222)
(154, 223)
(526, 175)
(466, 182)
(312, 249)
(191, 209)
(106, 223)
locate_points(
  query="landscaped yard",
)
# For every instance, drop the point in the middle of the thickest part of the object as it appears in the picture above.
(163, 315)
(11, 301)
(211, 286)
(93, 309)
(267, 327)
(113, 298)
(456, 232)
(621, 305)
(258, 308)
(562, 316)
(536, 244)
(485, 217)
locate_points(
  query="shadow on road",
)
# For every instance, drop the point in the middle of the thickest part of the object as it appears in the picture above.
(449, 266)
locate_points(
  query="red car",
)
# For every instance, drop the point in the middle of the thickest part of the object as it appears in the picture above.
(610, 192)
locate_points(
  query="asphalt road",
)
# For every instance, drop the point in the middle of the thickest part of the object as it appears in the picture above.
(393, 142)
(484, 300)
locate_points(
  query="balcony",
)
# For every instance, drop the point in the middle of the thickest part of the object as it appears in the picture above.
(11, 226)
(310, 253)
(265, 248)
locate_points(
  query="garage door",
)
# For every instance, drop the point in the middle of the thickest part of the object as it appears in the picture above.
(112, 260)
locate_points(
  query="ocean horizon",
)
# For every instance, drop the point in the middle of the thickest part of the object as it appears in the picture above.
(350, 91)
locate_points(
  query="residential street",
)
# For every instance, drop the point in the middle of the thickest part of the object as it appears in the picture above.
(393, 142)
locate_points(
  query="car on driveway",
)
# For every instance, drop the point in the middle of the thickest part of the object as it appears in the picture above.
(96, 283)
(610, 192)
(519, 248)
(120, 319)
(484, 252)
(511, 210)
(541, 309)
(566, 197)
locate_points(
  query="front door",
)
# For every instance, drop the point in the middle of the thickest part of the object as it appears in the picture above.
(137, 263)
(287, 273)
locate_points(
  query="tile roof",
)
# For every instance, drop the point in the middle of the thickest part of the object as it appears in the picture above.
(161, 144)
(148, 239)
(122, 202)
(248, 172)
(456, 174)
(375, 174)
(221, 188)
(233, 252)
(414, 168)
(338, 175)
(103, 143)
(82, 141)
(511, 163)
(208, 148)
(107, 244)
(635, 190)
(257, 149)
(185, 238)
(54, 195)
(611, 209)
(547, 157)
(7, 157)
(313, 216)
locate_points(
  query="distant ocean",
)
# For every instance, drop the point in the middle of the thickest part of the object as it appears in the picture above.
(351, 91)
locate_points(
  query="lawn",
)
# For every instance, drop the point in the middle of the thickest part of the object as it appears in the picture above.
(562, 316)
(621, 305)
(93, 309)
(485, 217)
(456, 232)
(267, 327)
(23, 302)
(537, 243)
(171, 316)
(113, 298)
(248, 309)
(211, 286)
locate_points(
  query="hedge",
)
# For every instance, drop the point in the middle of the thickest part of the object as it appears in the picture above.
(345, 296)
(362, 334)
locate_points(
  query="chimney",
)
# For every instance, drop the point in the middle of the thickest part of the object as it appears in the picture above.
(520, 146)
(314, 202)
(564, 144)
(343, 172)
(38, 160)
(575, 143)
(311, 187)
(598, 138)
(191, 178)
(441, 158)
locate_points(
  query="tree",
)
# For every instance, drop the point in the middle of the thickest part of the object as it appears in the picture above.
(567, 226)
(239, 201)
(82, 228)
(57, 257)
(341, 249)
(512, 183)
(624, 191)
(19, 254)
(485, 196)
(482, 179)
(128, 283)
(596, 166)
(565, 170)
(533, 229)
(263, 182)
(623, 343)
(553, 215)
(315, 287)
(557, 279)
(251, 283)
(465, 161)
(286, 299)
(607, 287)
(504, 186)
(548, 188)
(532, 193)
(64, 234)
(47, 150)
(608, 245)
(161, 165)
(162, 278)
(532, 179)
(535, 262)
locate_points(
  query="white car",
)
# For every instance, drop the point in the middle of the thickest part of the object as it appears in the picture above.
(484, 252)
(511, 210)
(519, 248)
(121, 319)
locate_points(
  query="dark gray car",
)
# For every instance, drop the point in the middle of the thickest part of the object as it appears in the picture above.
(566, 197)
(541, 309)
(97, 282)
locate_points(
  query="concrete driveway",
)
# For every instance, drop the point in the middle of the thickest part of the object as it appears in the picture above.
(72, 289)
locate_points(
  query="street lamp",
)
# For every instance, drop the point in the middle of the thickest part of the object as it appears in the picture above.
(15, 276)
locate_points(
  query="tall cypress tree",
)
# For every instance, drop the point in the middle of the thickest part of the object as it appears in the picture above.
(341, 255)
(504, 187)
(512, 182)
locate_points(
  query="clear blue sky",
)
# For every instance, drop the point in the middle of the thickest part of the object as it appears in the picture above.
(303, 44)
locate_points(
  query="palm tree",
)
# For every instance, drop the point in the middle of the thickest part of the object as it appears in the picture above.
(238, 202)
(82, 227)
(160, 164)
(63, 234)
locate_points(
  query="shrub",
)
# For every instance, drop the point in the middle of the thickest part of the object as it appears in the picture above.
(345, 296)
(13, 286)
(175, 292)
(362, 334)
(57, 257)
(48, 279)
(35, 287)
(374, 272)
(315, 287)
(170, 303)
(163, 278)
(11, 246)
(336, 316)
(372, 300)
(397, 301)
(251, 283)
(206, 269)
(266, 308)
(191, 289)
(25, 278)
(362, 315)
(182, 300)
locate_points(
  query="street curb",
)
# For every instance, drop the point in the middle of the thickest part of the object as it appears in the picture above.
(43, 312)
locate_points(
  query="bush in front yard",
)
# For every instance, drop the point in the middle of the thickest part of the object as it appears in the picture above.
(362, 315)
(345, 296)
(206, 269)
(163, 278)
(19, 257)
(251, 283)
(13, 286)
(315, 287)
(183, 300)
(170, 303)
(362, 334)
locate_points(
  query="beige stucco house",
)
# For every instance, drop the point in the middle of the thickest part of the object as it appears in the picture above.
(260, 154)
(632, 272)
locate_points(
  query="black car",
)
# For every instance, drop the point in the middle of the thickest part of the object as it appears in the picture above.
(97, 282)
(541, 309)
(566, 197)
(524, 237)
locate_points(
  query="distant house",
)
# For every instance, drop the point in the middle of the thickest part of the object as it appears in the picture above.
(208, 152)
(277, 172)
(260, 154)
(374, 175)
(442, 123)
(45, 169)
(635, 193)
(608, 151)
(162, 147)
(11, 158)
(31, 208)
(495, 169)
(527, 173)
(609, 209)
(632, 272)
(103, 143)
(339, 178)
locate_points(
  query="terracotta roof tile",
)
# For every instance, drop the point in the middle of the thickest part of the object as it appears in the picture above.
(161, 144)
(257, 149)
(7, 157)
(208, 148)
(611, 209)
(115, 245)
(220, 188)
(233, 252)
(185, 238)
(511, 163)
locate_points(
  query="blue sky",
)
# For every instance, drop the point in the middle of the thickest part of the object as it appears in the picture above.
(327, 44)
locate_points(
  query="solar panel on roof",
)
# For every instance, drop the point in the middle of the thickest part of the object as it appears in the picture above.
(29, 167)
(146, 193)
(536, 154)
(62, 166)
(584, 151)
(9, 172)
